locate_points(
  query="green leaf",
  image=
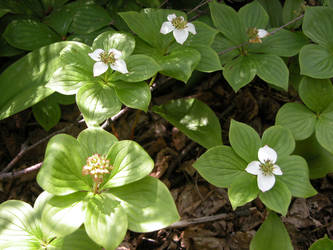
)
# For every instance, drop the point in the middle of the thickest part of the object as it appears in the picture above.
(89, 18)
(148, 204)
(19, 226)
(140, 67)
(298, 118)
(88, 38)
(244, 140)
(253, 15)
(315, 93)
(272, 69)
(205, 35)
(69, 79)
(47, 113)
(243, 190)
(96, 140)
(106, 221)
(319, 160)
(53, 4)
(316, 61)
(282, 43)
(97, 102)
(29, 34)
(324, 128)
(222, 47)
(180, 63)
(62, 99)
(239, 72)
(227, 21)
(280, 139)
(62, 215)
(77, 53)
(272, 235)
(6, 50)
(134, 95)
(323, 243)
(147, 24)
(194, 118)
(278, 198)
(59, 20)
(274, 10)
(317, 25)
(291, 10)
(210, 61)
(296, 176)
(115, 40)
(220, 166)
(130, 163)
(61, 173)
(78, 240)
(29, 88)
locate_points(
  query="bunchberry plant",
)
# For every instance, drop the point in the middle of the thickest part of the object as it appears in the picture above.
(279, 175)
(22, 227)
(104, 184)
(179, 27)
(314, 117)
(265, 168)
(105, 76)
(104, 59)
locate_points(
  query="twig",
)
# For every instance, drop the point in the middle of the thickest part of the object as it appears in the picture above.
(270, 33)
(189, 222)
(198, 6)
(4, 175)
(19, 173)
(24, 150)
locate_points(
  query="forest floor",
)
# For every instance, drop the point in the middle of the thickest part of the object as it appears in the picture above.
(174, 153)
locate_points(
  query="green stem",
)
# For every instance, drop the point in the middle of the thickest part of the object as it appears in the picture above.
(152, 80)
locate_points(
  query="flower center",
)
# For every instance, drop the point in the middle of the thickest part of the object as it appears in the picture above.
(107, 57)
(267, 167)
(179, 23)
(97, 166)
(253, 35)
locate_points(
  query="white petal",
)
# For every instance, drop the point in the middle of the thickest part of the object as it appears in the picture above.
(166, 28)
(253, 168)
(191, 28)
(171, 17)
(180, 35)
(265, 182)
(267, 154)
(120, 66)
(96, 55)
(277, 170)
(116, 53)
(100, 68)
(262, 33)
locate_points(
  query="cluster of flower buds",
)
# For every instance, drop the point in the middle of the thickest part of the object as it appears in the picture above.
(255, 35)
(97, 166)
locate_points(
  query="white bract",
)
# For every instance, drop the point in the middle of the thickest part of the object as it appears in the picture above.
(265, 168)
(262, 33)
(104, 59)
(179, 27)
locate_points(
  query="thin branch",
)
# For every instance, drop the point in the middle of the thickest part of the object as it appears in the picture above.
(189, 222)
(270, 33)
(24, 150)
(198, 6)
(19, 173)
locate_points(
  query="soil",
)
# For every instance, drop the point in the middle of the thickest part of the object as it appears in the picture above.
(174, 153)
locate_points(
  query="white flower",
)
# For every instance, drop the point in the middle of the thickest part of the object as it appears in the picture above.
(179, 26)
(265, 168)
(103, 59)
(262, 33)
